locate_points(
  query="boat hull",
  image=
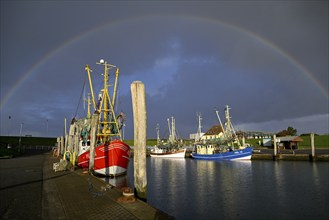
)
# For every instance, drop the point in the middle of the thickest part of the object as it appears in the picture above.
(110, 160)
(171, 154)
(243, 154)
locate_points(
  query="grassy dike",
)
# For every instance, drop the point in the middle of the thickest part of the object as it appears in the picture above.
(321, 141)
(13, 143)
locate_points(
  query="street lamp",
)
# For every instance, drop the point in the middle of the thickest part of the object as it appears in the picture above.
(47, 128)
(20, 138)
(9, 125)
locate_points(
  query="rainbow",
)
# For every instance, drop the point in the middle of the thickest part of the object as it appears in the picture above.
(113, 24)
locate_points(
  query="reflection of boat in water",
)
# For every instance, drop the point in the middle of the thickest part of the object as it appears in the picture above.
(227, 148)
(167, 152)
(118, 182)
(172, 149)
(111, 153)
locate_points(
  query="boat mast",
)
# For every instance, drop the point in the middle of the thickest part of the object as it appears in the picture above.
(198, 136)
(88, 107)
(228, 122)
(229, 127)
(115, 86)
(220, 122)
(172, 130)
(108, 125)
(169, 140)
(158, 134)
(91, 86)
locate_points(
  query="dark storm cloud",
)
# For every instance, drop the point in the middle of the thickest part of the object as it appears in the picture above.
(192, 57)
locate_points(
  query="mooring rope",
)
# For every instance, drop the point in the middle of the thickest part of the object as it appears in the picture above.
(83, 88)
(96, 192)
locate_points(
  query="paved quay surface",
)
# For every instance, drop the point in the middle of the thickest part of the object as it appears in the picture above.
(30, 189)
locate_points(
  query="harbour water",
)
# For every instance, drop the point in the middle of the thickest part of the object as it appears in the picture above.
(197, 189)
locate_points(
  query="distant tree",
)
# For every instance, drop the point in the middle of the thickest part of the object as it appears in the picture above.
(289, 132)
(292, 131)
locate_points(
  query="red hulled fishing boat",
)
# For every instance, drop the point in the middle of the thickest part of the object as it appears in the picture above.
(111, 153)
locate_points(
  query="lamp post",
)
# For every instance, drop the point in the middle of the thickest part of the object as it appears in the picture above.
(47, 128)
(9, 119)
(20, 138)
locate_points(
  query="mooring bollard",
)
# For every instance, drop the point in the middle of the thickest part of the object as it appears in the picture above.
(139, 112)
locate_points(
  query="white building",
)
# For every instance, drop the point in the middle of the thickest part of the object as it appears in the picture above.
(214, 132)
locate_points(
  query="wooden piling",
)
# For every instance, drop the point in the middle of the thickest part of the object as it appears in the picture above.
(139, 112)
(65, 138)
(275, 147)
(312, 147)
(61, 152)
(70, 138)
(75, 144)
(93, 134)
(58, 147)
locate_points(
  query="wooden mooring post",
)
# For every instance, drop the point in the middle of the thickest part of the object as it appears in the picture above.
(139, 112)
(312, 147)
(61, 152)
(275, 147)
(93, 134)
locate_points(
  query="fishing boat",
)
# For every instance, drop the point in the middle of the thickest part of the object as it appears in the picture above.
(172, 149)
(111, 154)
(228, 147)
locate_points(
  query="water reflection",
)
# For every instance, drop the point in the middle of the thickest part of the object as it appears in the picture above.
(168, 177)
(196, 189)
(119, 181)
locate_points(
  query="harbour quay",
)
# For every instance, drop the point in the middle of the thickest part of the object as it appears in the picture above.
(292, 155)
(31, 189)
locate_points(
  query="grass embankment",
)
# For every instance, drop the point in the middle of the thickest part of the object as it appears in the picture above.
(320, 141)
(149, 142)
(13, 142)
(29, 141)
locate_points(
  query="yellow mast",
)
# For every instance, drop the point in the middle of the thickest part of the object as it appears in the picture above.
(109, 121)
(88, 109)
(91, 86)
(115, 86)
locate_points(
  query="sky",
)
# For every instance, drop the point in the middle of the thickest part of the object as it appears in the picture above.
(267, 60)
